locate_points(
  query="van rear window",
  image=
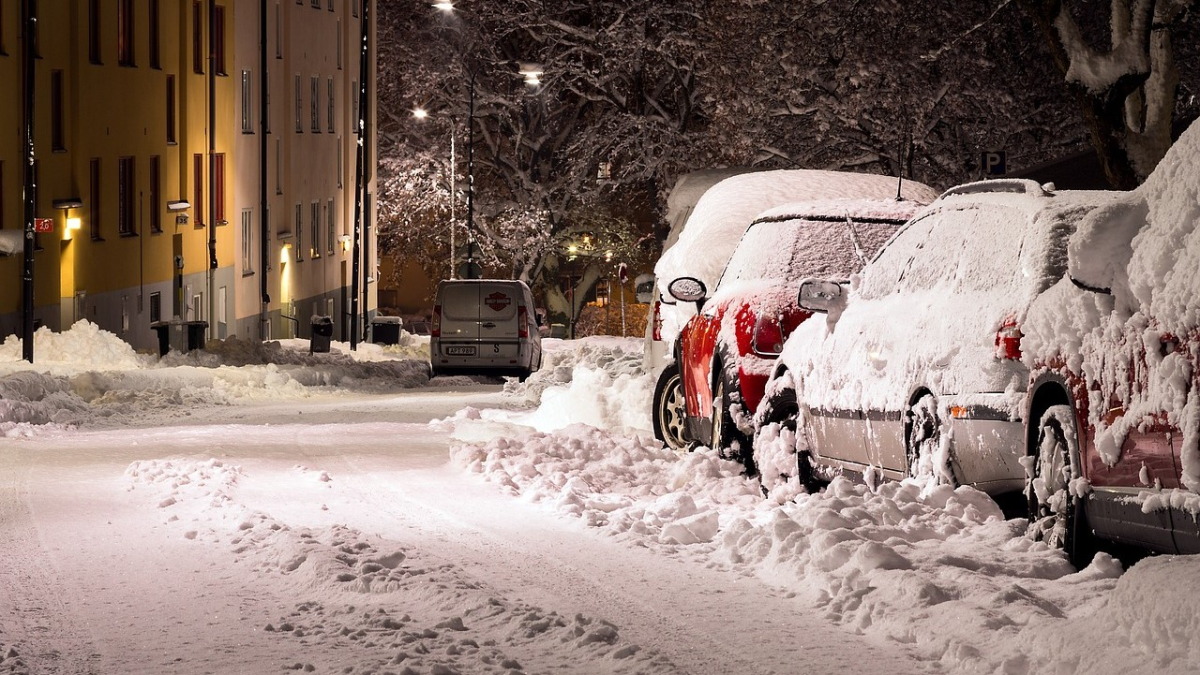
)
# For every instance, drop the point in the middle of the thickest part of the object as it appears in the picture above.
(460, 301)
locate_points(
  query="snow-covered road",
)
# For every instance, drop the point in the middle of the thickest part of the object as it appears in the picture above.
(331, 535)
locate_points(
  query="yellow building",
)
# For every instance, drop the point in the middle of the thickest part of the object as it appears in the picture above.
(151, 138)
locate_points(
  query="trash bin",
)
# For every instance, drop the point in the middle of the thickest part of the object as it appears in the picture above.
(182, 336)
(322, 333)
(163, 330)
(558, 330)
(385, 330)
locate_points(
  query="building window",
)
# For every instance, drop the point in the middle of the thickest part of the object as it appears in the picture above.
(331, 5)
(198, 188)
(354, 8)
(156, 204)
(341, 163)
(126, 187)
(94, 205)
(315, 225)
(155, 40)
(316, 108)
(339, 43)
(278, 166)
(278, 32)
(94, 31)
(218, 29)
(58, 140)
(155, 307)
(354, 105)
(171, 109)
(125, 32)
(299, 226)
(247, 241)
(330, 226)
(197, 38)
(329, 91)
(219, 188)
(247, 108)
(316, 3)
(299, 107)
(266, 117)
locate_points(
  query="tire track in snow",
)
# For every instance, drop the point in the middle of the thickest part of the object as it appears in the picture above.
(671, 606)
(38, 632)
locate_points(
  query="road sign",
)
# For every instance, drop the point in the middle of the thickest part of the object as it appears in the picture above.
(994, 162)
(470, 271)
(43, 225)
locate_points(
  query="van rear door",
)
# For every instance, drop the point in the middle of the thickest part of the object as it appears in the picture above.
(460, 312)
(498, 311)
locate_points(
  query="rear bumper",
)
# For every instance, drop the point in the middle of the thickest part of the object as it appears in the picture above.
(484, 357)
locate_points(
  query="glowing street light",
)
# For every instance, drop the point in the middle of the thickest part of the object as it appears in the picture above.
(444, 5)
(420, 113)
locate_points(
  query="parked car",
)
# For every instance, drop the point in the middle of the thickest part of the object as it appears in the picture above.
(707, 222)
(484, 327)
(725, 352)
(916, 369)
(1112, 444)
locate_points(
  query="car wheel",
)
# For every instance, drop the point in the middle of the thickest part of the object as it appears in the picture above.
(777, 452)
(727, 439)
(1051, 488)
(669, 409)
(927, 458)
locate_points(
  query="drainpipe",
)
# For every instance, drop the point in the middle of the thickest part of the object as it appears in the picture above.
(212, 169)
(263, 174)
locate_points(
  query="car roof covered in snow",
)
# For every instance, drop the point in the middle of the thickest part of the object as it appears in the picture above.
(726, 210)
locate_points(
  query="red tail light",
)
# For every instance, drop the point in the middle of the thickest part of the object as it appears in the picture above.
(657, 319)
(768, 336)
(522, 322)
(436, 329)
(1008, 341)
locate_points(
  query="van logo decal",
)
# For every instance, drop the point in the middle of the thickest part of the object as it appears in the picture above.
(497, 301)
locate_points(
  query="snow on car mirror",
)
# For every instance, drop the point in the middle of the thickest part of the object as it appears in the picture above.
(688, 289)
(819, 295)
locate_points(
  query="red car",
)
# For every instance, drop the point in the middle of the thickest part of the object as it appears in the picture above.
(1113, 420)
(724, 354)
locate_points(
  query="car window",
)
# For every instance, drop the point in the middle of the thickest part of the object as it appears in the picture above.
(799, 248)
(460, 301)
(883, 275)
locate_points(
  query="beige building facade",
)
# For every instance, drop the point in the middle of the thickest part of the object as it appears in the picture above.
(174, 192)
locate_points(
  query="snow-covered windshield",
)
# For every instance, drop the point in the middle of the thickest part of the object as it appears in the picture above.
(806, 247)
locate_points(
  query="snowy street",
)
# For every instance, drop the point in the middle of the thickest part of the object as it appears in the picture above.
(353, 532)
(254, 509)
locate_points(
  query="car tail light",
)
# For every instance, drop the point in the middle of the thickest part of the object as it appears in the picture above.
(657, 334)
(522, 322)
(436, 329)
(768, 336)
(1008, 341)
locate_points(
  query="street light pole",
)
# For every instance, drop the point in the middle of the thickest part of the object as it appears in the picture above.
(471, 179)
(29, 52)
(453, 191)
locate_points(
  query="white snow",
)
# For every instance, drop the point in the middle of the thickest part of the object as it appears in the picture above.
(305, 516)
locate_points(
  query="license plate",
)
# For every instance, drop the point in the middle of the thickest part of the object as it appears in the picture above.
(460, 351)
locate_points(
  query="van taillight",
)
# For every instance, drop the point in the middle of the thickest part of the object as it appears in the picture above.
(522, 322)
(436, 329)
(768, 336)
(657, 334)
(1008, 341)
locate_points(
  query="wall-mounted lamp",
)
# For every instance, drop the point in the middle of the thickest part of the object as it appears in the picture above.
(178, 206)
(345, 239)
(73, 222)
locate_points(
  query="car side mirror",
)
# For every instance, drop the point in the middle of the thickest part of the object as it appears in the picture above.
(688, 289)
(819, 295)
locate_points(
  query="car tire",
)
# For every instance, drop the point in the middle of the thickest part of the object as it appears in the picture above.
(727, 439)
(782, 409)
(923, 446)
(1056, 514)
(669, 409)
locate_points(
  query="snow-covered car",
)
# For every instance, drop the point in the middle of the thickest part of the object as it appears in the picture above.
(916, 368)
(725, 352)
(708, 220)
(1113, 439)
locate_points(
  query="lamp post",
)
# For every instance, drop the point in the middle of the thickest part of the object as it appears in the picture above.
(420, 114)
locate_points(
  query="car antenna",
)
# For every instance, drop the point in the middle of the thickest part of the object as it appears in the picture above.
(900, 162)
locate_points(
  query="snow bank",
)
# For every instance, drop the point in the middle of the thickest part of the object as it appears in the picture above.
(597, 381)
(88, 376)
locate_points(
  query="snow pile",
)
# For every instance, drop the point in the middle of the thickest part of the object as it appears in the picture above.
(597, 381)
(629, 486)
(88, 376)
(373, 603)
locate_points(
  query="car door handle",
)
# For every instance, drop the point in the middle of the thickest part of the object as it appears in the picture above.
(488, 324)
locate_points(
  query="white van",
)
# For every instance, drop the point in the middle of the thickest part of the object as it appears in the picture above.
(484, 327)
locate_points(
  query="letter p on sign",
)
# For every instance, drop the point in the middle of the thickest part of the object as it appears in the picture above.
(993, 162)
